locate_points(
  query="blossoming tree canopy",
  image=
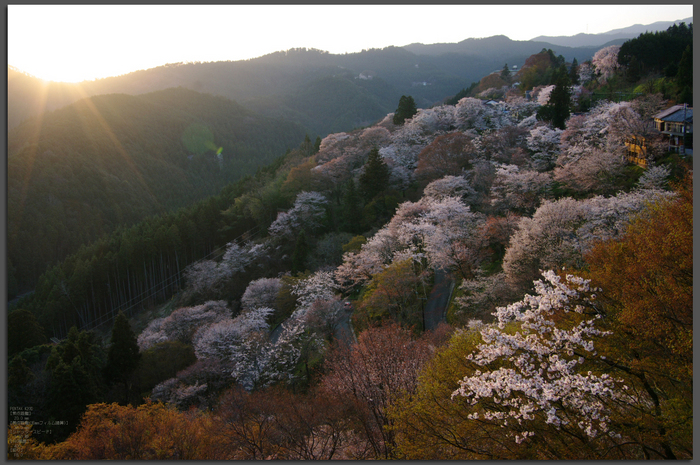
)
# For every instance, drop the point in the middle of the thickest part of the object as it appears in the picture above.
(534, 366)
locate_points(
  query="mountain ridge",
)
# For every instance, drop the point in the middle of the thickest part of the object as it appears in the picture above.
(584, 39)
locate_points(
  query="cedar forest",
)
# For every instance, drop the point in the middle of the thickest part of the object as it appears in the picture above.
(296, 313)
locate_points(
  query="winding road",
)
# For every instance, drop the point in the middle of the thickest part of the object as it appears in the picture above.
(439, 298)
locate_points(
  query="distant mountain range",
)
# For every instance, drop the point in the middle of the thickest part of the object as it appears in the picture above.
(324, 92)
(625, 33)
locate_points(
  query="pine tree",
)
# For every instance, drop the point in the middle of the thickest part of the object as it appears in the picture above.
(352, 213)
(557, 110)
(505, 73)
(573, 72)
(684, 76)
(407, 108)
(375, 176)
(123, 355)
(301, 249)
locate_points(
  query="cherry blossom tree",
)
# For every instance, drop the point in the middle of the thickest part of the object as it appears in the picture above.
(308, 213)
(451, 186)
(560, 232)
(585, 72)
(441, 231)
(203, 277)
(295, 346)
(519, 190)
(533, 372)
(605, 62)
(592, 130)
(182, 323)
(481, 296)
(450, 235)
(472, 113)
(545, 143)
(222, 340)
(543, 94)
(655, 177)
(261, 293)
(502, 144)
(375, 136)
(206, 278)
(319, 286)
(331, 146)
(596, 171)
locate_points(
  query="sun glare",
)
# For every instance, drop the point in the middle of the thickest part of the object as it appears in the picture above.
(72, 43)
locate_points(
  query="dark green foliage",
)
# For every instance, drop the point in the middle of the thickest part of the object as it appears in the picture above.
(23, 331)
(686, 96)
(18, 372)
(406, 109)
(558, 109)
(633, 72)
(123, 355)
(161, 362)
(80, 172)
(76, 379)
(317, 144)
(286, 301)
(148, 259)
(684, 76)
(12, 284)
(540, 69)
(573, 72)
(374, 177)
(380, 209)
(461, 94)
(505, 73)
(355, 244)
(301, 250)
(654, 52)
(351, 210)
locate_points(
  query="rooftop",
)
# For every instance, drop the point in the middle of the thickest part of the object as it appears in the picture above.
(676, 114)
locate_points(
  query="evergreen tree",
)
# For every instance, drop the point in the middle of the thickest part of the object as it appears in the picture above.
(352, 213)
(306, 146)
(123, 355)
(23, 331)
(75, 379)
(375, 176)
(407, 108)
(317, 144)
(301, 250)
(573, 72)
(505, 73)
(684, 76)
(557, 110)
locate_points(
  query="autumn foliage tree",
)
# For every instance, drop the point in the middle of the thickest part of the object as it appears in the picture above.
(447, 154)
(152, 431)
(647, 281)
(383, 364)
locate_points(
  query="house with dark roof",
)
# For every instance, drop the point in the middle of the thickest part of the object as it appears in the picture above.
(676, 124)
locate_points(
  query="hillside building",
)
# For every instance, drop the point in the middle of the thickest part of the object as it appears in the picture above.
(676, 124)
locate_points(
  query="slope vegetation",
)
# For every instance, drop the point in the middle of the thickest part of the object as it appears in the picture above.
(81, 171)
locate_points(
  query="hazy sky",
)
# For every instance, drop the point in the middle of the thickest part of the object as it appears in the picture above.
(77, 42)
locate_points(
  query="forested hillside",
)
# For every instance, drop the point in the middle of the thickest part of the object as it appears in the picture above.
(292, 315)
(105, 162)
(296, 83)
